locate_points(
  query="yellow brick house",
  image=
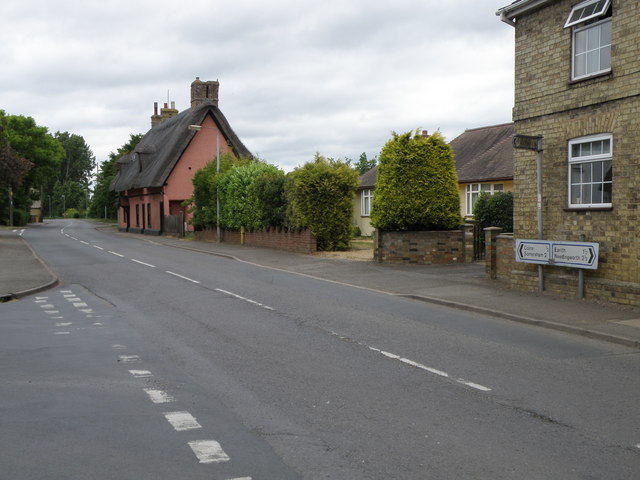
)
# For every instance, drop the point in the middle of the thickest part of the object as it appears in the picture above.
(577, 84)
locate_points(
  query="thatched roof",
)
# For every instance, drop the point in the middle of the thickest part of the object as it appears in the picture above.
(153, 159)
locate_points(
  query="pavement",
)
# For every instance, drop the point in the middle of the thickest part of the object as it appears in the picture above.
(464, 287)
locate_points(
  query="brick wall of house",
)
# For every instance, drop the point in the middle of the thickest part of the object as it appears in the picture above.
(293, 241)
(422, 248)
(547, 103)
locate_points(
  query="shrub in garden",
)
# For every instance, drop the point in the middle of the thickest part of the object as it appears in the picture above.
(494, 210)
(240, 205)
(270, 190)
(205, 181)
(320, 195)
(417, 185)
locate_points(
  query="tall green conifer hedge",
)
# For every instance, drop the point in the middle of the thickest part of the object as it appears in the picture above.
(417, 185)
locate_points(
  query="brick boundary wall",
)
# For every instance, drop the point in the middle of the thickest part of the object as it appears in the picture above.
(559, 281)
(293, 241)
(422, 248)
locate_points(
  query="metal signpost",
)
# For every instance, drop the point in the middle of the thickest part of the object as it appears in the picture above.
(581, 255)
(528, 142)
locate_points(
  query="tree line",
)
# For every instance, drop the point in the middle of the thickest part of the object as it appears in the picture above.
(54, 170)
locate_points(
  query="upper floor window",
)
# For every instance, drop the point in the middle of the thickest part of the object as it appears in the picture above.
(365, 206)
(591, 50)
(590, 171)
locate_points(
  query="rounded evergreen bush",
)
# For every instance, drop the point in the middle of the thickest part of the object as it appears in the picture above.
(417, 185)
(320, 195)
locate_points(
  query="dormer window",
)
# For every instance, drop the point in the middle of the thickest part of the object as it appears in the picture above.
(591, 38)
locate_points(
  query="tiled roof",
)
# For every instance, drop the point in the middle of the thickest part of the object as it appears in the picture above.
(368, 179)
(484, 154)
(153, 159)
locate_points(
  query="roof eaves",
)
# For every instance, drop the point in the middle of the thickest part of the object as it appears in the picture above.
(509, 13)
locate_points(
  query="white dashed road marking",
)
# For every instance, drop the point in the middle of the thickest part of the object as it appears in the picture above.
(116, 254)
(129, 358)
(143, 263)
(182, 276)
(159, 396)
(239, 297)
(440, 373)
(182, 421)
(208, 451)
(141, 373)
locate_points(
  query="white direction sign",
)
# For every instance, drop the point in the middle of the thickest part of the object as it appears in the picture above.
(533, 251)
(564, 254)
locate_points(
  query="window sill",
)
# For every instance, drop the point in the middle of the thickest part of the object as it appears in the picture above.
(588, 209)
(590, 77)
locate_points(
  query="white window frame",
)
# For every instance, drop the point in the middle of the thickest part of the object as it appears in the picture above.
(581, 12)
(591, 161)
(474, 190)
(365, 202)
(603, 46)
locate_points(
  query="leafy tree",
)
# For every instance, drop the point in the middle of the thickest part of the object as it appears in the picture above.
(417, 186)
(363, 165)
(13, 170)
(104, 200)
(494, 210)
(33, 143)
(78, 162)
(320, 195)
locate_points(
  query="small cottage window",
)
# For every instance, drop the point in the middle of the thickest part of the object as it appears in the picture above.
(591, 42)
(365, 205)
(590, 171)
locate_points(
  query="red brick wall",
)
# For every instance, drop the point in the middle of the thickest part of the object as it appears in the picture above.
(281, 239)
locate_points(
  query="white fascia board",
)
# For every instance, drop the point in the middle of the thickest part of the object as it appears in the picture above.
(509, 13)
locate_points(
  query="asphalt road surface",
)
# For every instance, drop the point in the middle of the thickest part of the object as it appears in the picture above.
(151, 362)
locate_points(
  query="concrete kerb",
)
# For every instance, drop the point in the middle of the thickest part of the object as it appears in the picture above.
(585, 332)
(561, 327)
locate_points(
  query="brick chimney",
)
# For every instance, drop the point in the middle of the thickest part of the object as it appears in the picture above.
(155, 118)
(203, 91)
(165, 113)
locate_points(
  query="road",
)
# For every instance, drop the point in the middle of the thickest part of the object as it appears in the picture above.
(151, 362)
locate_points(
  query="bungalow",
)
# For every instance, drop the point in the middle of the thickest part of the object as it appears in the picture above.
(155, 179)
(484, 163)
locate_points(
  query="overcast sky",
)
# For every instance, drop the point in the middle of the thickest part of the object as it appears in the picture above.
(296, 76)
